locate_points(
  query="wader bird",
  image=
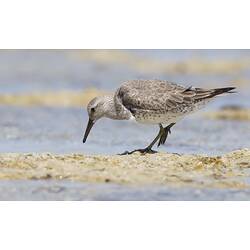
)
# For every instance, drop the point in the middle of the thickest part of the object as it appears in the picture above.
(152, 102)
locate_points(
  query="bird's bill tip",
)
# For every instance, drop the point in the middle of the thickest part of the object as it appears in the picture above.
(88, 128)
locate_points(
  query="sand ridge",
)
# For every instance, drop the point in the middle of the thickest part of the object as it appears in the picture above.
(228, 171)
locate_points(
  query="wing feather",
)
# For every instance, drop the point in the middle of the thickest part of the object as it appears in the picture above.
(162, 95)
(153, 94)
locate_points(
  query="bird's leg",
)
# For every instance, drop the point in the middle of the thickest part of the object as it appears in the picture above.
(165, 133)
(148, 149)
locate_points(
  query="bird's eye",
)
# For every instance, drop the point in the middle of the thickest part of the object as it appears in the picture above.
(92, 110)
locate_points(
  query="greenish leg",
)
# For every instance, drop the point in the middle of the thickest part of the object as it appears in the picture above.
(165, 133)
(148, 149)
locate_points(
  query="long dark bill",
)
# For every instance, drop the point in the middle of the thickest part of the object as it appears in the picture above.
(89, 126)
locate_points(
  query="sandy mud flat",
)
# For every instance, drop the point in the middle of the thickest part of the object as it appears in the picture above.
(64, 98)
(195, 171)
(239, 114)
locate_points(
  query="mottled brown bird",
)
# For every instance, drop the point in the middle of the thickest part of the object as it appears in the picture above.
(152, 102)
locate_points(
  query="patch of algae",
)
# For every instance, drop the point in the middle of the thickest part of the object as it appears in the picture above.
(51, 99)
(227, 171)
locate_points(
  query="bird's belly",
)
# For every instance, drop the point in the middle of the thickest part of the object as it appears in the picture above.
(158, 118)
(167, 117)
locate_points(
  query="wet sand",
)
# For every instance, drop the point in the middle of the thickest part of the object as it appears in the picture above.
(62, 99)
(195, 171)
(234, 113)
(194, 65)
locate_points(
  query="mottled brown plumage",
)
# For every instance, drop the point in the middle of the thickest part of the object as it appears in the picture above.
(162, 95)
(163, 101)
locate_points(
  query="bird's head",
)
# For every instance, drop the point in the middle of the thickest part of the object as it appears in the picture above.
(97, 108)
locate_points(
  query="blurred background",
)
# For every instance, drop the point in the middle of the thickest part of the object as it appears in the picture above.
(44, 93)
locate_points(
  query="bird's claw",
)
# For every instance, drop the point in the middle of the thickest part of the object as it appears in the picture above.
(142, 151)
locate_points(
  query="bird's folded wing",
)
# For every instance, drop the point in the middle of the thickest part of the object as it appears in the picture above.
(154, 95)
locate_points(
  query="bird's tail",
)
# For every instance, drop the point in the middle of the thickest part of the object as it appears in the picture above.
(202, 94)
(220, 91)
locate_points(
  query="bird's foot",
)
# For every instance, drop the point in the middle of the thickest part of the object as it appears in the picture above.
(142, 151)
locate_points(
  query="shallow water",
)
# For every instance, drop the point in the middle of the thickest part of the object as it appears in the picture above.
(65, 190)
(60, 130)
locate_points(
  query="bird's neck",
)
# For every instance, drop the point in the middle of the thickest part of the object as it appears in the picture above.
(112, 109)
(109, 107)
